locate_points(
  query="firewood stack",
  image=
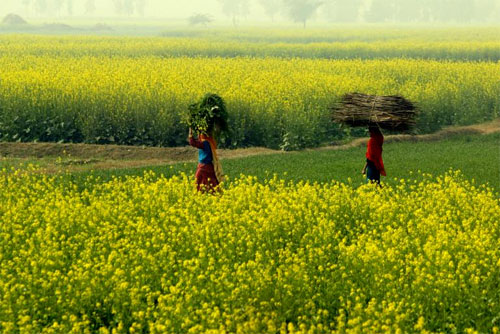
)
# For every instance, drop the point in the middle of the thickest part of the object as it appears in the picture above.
(393, 113)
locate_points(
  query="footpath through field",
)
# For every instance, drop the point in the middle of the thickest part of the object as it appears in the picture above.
(80, 157)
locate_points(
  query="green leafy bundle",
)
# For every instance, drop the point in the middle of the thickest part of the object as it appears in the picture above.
(208, 115)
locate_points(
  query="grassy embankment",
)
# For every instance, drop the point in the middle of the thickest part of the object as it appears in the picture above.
(477, 156)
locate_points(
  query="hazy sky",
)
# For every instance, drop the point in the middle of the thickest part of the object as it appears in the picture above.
(155, 8)
(440, 10)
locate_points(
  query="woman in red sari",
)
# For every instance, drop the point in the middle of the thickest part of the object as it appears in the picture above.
(209, 172)
(374, 164)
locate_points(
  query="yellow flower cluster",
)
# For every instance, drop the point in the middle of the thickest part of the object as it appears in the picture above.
(149, 254)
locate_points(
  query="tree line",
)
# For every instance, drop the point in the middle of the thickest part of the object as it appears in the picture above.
(463, 11)
(302, 11)
(67, 7)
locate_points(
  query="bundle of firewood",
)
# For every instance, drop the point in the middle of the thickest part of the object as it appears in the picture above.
(389, 112)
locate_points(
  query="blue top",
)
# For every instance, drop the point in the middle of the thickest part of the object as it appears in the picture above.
(205, 154)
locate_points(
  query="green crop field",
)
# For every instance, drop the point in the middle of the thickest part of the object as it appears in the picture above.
(404, 160)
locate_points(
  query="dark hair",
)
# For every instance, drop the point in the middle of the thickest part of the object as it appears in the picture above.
(374, 129)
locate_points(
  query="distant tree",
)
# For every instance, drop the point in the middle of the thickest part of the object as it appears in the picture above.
(69, 7)
(90, 7)
(235, 9)
(382, 11)
(200, 19)
(452, 10)
(496, 12)
(58, 6)
(129, 7)
(140, 6)
(118, 4)
(483, 9)
(441, 10)
(301, 10)
(41, 7)
(427, 10)
(411, 11)
(342, 10)
(271, 7)
(27, 4)
(463, 10)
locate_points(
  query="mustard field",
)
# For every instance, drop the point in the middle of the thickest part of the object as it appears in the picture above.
(103, 252)
(137, 90)
(148, 254)
(452, 45)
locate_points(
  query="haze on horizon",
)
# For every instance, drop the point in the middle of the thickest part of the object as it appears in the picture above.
(236, 11)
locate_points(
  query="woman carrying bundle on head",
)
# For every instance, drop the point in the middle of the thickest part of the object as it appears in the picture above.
(208, 162)
(206, 118)
(374, 164)
(393, 113)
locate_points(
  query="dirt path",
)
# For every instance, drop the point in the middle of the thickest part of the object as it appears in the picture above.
(453, 131)
(77, 157)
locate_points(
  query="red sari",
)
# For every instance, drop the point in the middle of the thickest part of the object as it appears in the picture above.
(206, 175)
(206, 180)
(374, 151)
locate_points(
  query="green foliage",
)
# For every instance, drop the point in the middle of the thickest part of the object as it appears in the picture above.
(208, 115)
(301, 10)
(202, 19)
